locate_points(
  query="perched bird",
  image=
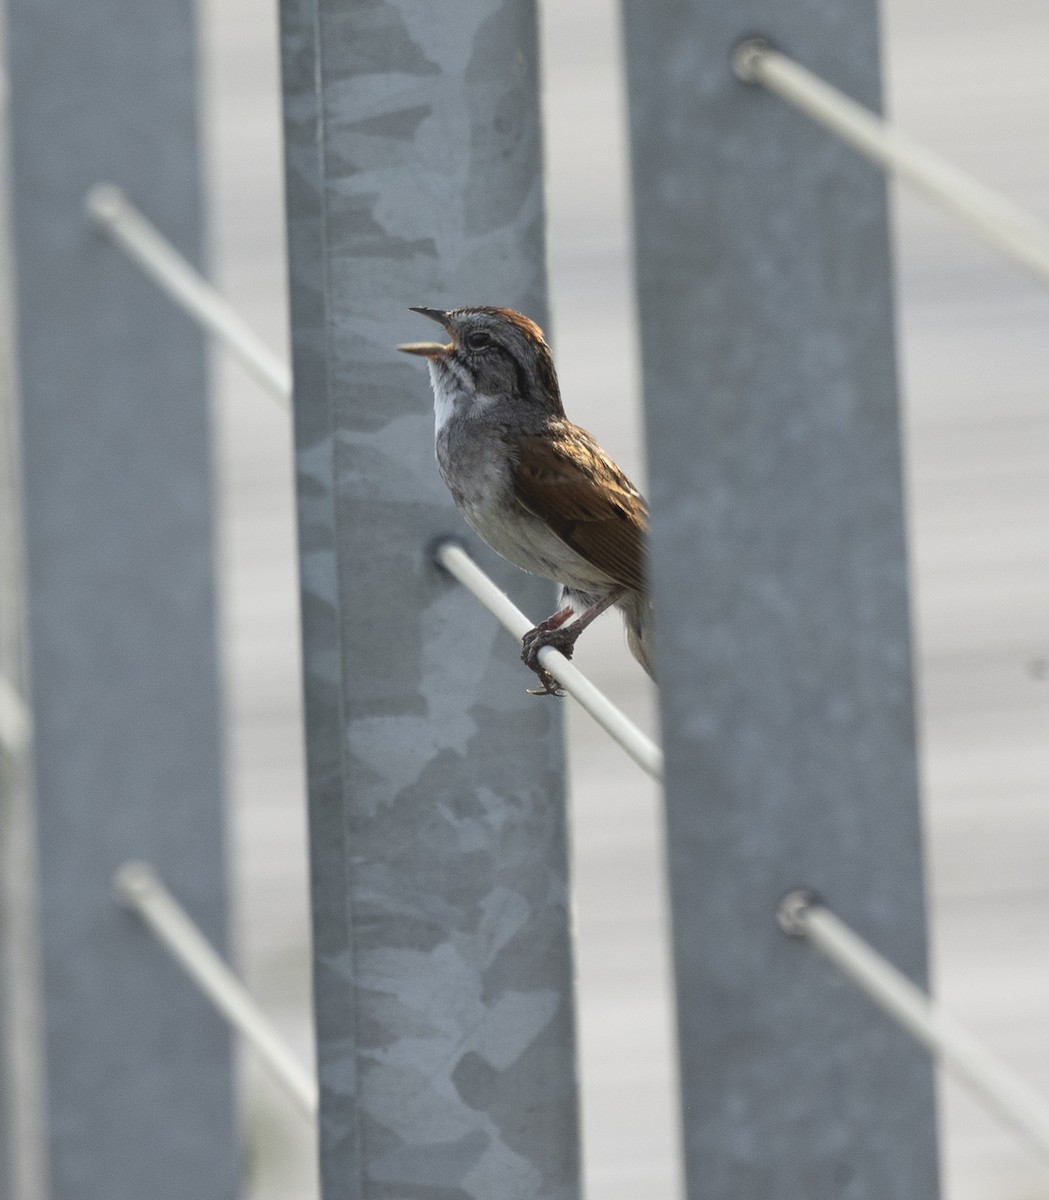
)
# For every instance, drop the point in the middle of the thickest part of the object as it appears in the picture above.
(537, 488)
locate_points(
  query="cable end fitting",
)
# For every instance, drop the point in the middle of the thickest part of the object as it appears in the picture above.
(132, 882)
(104, 204)
(440, 546)
(794, 908)
(748, 56)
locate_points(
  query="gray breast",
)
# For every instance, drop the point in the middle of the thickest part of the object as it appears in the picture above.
(473, 460)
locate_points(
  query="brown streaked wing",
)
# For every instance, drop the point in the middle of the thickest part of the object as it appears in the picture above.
(566, 479)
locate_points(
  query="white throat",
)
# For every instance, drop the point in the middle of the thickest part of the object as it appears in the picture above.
(446, 392)
(451, 399)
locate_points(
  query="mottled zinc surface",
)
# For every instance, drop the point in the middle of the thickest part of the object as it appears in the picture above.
(443, 970)
(969, 78)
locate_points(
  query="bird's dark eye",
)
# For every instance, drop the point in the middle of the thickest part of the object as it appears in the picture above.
(478, 339)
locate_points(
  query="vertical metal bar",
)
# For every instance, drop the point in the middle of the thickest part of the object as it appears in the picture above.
(19, 1098)
(120, 599)
(13, 731)
(8, 1005)
(21, 1152)
(442, 969)
(780, 581)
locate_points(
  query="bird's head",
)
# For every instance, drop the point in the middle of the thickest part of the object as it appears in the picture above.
(494, 354)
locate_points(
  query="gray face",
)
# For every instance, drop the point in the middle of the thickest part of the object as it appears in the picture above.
(494, 353)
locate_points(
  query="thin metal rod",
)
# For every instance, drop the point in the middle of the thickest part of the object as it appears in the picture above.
(113, 214)
(138, 887)
(15, 722)
(1000, 222)
(997, 1084)
(616, 724)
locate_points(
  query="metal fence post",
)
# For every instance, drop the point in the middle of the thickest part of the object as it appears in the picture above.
(120, 599)
(12, 772)
(442, 963)
(780, 582)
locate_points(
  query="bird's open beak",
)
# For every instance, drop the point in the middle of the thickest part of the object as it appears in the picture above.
(428, 349)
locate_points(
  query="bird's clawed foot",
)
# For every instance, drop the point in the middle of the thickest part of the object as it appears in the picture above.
(550, 686)
(547, 634)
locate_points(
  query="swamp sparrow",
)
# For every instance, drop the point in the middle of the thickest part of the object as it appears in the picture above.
(538, 489)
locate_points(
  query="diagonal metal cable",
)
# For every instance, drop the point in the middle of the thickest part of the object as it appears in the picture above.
(113, 214)
(801, 914)
(641, 748)
(138, 888)
(989, 214)
(15, 720)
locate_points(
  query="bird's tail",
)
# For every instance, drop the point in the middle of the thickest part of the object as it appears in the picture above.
(637, 616)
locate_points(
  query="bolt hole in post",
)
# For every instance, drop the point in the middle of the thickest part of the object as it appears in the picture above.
(748, 56)
(793, 909)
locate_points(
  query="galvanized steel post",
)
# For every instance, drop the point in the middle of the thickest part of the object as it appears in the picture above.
(13, 732)
(780, 581)
(442, 965)
(120, 599)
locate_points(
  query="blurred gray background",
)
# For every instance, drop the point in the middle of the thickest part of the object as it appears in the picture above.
(972, 80)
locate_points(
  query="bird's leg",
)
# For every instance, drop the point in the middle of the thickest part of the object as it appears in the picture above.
(548, 626)
(552, 632)
(552, 623)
